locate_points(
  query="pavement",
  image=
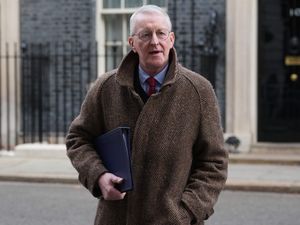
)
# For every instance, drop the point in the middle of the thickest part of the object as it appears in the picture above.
(264, 172)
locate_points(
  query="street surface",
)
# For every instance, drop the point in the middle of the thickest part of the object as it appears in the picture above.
(56, 204)
(253, 208)
(45, 204)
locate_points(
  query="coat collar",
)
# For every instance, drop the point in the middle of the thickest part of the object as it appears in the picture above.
(126, 71)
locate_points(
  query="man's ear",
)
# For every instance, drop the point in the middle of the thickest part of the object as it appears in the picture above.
(172, 38)
(130, 42)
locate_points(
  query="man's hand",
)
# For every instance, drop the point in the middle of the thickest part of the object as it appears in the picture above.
(106, 183)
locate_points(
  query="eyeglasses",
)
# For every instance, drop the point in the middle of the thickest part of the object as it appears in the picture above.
(146, 35)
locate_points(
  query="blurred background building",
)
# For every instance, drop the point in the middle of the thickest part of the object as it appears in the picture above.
(51, 51)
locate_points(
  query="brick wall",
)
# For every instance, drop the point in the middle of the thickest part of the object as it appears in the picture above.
(57, 20)
(190, 21)
(69, 25)
(58, 39)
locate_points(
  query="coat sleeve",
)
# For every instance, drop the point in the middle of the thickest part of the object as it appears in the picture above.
(209, 171)
(79, 141)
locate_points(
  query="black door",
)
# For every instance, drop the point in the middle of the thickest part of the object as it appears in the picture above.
(279, 71)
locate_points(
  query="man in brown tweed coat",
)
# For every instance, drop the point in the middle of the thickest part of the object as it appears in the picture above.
(179, 164)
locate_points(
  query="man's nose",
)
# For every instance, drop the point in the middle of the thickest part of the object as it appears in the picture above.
(154, 39)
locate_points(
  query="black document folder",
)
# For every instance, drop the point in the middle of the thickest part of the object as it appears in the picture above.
(113, 148)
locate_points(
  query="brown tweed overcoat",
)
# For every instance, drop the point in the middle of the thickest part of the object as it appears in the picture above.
(178, 159)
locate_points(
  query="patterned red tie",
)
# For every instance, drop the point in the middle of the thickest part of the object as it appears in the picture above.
(152, 85)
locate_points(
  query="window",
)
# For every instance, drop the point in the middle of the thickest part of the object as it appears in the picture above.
(112, 27)
(131, 3)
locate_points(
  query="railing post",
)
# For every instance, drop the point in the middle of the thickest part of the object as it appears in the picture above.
(209, 50)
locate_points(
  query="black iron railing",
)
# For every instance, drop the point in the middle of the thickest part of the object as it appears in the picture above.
(42, 87)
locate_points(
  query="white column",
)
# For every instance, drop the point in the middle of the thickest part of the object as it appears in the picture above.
(241, 71)
(10, 79)
(100, 37)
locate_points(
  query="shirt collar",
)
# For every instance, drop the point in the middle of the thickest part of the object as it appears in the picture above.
(158, 77)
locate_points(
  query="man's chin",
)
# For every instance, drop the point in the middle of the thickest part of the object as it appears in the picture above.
(156, 63)
(154, 68)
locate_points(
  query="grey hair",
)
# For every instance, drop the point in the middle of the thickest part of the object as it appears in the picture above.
(148, 9)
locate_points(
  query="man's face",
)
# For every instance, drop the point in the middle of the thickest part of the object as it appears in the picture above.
(152, 41)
